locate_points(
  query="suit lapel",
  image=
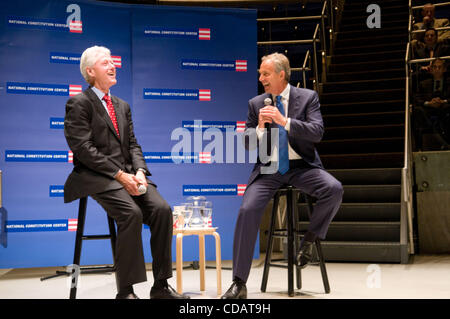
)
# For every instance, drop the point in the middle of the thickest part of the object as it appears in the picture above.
(293, 100)
(98, 106)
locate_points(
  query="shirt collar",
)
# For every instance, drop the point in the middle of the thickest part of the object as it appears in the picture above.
(285, 93)
(99, 93)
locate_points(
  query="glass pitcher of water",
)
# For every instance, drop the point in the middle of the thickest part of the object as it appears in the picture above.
(198, 211)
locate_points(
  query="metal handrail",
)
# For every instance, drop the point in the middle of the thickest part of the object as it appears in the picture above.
(287, 42)
(317, 37)
(423, 30)
(322, 26)
(316, 73)
(428, 59)
(442, 4)
(288, 19)
(407, 164)
(304, 66)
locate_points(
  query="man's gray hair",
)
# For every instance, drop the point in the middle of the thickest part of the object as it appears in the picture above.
(90, 57)
(281, 63)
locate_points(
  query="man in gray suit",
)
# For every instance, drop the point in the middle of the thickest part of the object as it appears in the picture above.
(109, 166)
(298, 164)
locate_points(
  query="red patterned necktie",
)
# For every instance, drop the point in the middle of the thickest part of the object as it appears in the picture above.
(112, 112)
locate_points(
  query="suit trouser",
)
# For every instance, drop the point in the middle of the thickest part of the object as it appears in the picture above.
(129, 213)
(312, 181)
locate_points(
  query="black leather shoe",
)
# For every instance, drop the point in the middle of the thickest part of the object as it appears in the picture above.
(127, 296)
(238, 290)
(166, 293)
(305, 254)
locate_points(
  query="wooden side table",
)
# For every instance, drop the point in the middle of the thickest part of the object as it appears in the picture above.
(200, 232)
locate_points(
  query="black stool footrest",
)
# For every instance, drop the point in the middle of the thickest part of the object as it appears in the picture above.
(95, 237)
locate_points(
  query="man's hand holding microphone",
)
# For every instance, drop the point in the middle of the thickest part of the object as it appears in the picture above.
(269, 114)
(135, 185)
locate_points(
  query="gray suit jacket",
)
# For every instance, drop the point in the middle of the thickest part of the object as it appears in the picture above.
(306, 125)
(98, 152)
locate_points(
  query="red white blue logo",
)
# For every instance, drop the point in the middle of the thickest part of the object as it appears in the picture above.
(241, 65)
(178, 33)
(75, 89)
(117, 60)
(204, 34)
(43, 89)
(76, 27)
(204, 95)
(240, 126)
(216, 65)
(177, 94)
(214, 190)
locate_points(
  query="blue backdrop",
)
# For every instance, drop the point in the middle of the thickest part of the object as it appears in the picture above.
(181, 69)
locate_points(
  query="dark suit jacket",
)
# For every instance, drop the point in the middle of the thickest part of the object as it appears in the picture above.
(427, 93)
(306, 124)
(98, 152)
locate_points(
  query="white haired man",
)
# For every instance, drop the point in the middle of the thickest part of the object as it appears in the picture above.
(109, 166)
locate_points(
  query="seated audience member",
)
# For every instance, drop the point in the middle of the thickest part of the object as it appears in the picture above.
(429, 21)
(430, 48)
(432, 107)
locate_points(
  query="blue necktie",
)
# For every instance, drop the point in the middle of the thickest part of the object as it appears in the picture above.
(283, 151)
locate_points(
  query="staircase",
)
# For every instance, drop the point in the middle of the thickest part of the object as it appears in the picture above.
(363, 105)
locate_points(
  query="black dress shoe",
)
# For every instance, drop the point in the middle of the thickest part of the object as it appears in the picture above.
(305, 254)
(166, 293)
(127, 296)
(238, 290)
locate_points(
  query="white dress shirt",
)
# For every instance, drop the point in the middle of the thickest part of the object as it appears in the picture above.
(260, 132)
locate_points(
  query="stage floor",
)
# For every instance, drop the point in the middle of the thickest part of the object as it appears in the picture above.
(425, 277)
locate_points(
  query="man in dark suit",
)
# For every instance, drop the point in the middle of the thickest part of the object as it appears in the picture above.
(296, 159)
(432, 108)
(109, 166)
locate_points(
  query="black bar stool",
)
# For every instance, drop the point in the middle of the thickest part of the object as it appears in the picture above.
(292, 233)
(78, 243)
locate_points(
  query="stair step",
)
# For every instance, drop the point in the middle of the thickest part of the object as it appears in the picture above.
(369, 48)
(367, 56)
(361, 19)
(362, 25)
(358, 33)
(371, 40)
(367, 65)
(362, 107)
(379, 84)
(367, 176)
(362, 4)
(363, 96)
(363, 212)
(389, 252)
(366, 75)
(366, 131)
(363, 160)
(360, 231)
(355, 145)
(363, 118)
(372, 193)
(359, 10)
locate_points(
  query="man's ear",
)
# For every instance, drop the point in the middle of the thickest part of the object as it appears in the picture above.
(90, 71)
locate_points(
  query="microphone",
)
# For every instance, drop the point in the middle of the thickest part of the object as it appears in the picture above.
(268, 101)
(142, 189)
